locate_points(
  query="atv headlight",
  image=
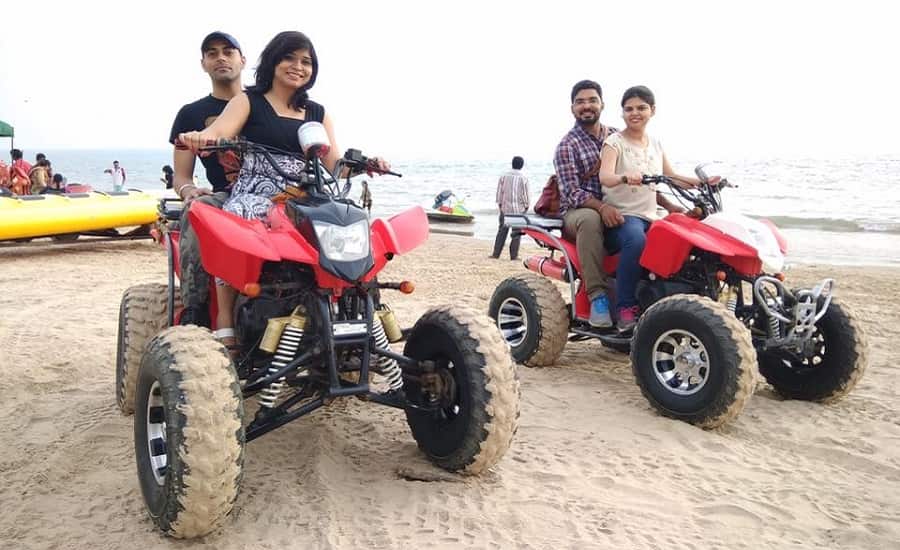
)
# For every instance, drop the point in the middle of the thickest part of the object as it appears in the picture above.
(343, 243)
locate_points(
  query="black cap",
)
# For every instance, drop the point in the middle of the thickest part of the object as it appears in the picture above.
(223, 36)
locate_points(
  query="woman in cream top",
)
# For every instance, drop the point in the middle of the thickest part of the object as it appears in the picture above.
(625, 158)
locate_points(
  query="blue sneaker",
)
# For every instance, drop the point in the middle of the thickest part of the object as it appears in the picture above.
(600, 317)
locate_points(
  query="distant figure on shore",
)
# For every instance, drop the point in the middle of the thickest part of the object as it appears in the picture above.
(41, 156)
(512, 198)
(39, 176)
(168, 176)
(18, 173)
(118, 176)
(57, 186)
(366, 197)
(4, 175)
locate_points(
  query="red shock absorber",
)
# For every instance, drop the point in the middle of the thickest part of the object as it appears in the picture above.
(548, 267)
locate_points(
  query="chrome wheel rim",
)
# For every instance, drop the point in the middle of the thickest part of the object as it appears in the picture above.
(680, 362)
(512, 321)
(158, 450)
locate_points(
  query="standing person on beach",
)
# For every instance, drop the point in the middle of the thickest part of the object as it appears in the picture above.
(39, 176)
(4, 174)
(222, 59)
(18, 173)
(168, 177)
(577, 162)
(365, 198)
(41, 156)
(512, 198)
(269, 113)
(118, 176)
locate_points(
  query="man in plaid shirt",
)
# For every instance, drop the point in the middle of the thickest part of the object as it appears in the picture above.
(512, 198)
(580, 199)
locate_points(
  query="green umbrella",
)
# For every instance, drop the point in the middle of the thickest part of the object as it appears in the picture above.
(7, 131)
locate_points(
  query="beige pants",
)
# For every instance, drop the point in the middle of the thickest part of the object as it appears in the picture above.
(586, 226)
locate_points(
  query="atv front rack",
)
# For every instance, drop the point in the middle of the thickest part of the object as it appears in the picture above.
(799, 310)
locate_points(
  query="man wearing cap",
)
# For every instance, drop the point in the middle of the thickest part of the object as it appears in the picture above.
(223, 61)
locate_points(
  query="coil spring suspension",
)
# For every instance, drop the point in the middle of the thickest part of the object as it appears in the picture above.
(385, 366)
(774, 323)
(288, 345)
(732, 303)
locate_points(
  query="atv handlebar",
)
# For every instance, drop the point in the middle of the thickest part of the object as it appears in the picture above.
(704, 198)
(647, 180)
(358, 164)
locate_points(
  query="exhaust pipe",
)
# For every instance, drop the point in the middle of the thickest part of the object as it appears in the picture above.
(548, 267)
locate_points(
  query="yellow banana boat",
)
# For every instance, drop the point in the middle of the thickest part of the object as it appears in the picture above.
(46, 215)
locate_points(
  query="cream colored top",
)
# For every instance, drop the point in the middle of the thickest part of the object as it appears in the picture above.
(635, 200)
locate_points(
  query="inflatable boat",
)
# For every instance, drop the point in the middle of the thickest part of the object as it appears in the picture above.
(72, 213)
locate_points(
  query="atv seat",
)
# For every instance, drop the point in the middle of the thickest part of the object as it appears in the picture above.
(519, 221)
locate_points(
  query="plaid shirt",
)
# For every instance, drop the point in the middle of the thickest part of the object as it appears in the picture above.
(576, 154)
(512, 193)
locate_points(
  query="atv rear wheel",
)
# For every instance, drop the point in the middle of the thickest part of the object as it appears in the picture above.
(532, 317)
(479, 412)
(693, 360)
(143, 312)
(837, 362)
(188, 431)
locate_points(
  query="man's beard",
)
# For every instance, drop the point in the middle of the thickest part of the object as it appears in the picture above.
(588, 121)
(225, 80)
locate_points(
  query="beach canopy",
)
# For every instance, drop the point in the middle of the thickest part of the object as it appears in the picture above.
(7, 131)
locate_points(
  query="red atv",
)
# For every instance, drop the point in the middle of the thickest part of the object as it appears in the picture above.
(311, 328)
(713, 304)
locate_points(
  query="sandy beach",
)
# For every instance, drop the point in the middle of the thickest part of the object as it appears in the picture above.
(592, 465)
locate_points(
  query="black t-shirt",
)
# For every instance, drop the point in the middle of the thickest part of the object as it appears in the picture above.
(266, 127)
(221, 168)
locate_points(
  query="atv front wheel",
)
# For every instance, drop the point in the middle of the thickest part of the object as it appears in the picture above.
(478, 412)
(532, 317)
(693, 360)
(143, 312)
(188, 431)
(836, 362)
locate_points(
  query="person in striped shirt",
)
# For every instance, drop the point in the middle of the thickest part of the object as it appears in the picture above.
(512, 198)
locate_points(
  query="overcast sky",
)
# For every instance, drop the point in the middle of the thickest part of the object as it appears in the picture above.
(483, 79)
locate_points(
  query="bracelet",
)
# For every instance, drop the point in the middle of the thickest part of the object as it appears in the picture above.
(183, 187)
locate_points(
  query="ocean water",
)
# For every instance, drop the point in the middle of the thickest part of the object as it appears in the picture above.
(839, 211)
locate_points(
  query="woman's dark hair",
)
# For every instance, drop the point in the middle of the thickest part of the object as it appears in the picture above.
(641, 92)
(284, 44)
